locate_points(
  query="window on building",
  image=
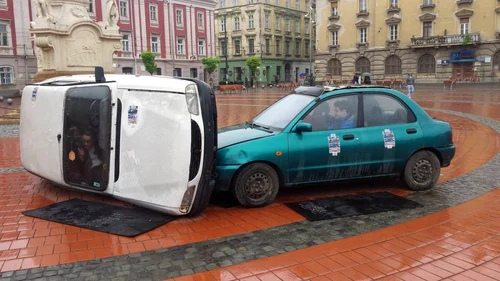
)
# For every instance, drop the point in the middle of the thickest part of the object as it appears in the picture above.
(201, 47)
(427, 28)
(6, 75)
(268, 45)
(236, 23)
(287, 25)
(222, 3)
(297, 48)
(335, 11)
(4, 39)
(124, 9)
(178, 72)
(394, 3)
(179, 18)
(3, 3)
(153, 13)
(155, 44)
(287, 47)
(297, 4)
(278, 46)
(250, 1)
(335, 38)
(426, 64)
(277, 2)
(181, 46)
(334, 67)
(363, 7)
(278, 23)
(362, 35)
(297, 26)
(222, 25)
(237, 47)
(287, 3)
(126, 42)
(200, 21)
(127, 70)
(393, 65)
(158, 71)
(363, 65)
(223, 48)
(427, 2)
(393, 32)
(251, 46)
(250, 21)
(464, 26)
(235, 2)
(306, 26)
(90, 8)
(306, 48)
(266, 21)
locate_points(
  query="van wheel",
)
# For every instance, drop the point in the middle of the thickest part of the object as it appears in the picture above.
(422, 171)
(256, 185)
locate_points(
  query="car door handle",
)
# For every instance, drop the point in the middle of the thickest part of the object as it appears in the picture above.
(348, 137)
(411, 131)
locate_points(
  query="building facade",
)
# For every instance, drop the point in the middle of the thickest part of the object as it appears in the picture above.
(180, 32)
(17, 60)
(276, 31)
(435, 40)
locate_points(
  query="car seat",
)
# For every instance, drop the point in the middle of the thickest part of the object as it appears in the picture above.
(374, 117)
(400, 116)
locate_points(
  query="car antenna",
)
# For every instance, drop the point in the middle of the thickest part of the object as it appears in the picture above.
(99, 75)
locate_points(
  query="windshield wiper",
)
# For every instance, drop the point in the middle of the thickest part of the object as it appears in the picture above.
(252, 125)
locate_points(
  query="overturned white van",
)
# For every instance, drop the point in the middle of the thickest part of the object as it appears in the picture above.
(147, 140)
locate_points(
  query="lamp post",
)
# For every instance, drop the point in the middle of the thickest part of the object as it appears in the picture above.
(225, 50)
(171, 32)
(311, 33)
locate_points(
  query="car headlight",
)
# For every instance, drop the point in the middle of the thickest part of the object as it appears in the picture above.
(192, 99)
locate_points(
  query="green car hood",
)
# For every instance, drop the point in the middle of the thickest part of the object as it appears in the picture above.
(240, 133)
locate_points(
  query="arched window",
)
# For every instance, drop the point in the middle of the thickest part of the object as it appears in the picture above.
(6, 75)
(334, 67)
(393, 65)
(496, 62)
(426, 64)
(363, 65)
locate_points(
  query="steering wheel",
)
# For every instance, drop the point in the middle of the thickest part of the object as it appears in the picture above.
(93, 115)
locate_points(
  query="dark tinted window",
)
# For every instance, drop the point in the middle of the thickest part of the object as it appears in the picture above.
(86, 138)
(380, 110)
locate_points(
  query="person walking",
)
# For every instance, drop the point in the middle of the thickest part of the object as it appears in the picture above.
(410, 84)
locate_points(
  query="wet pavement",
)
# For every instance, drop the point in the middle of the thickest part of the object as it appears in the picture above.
(455, 235)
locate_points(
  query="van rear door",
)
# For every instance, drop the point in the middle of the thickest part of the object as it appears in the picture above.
(155, 149)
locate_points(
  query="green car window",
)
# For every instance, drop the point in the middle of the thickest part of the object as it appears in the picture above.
(282, 112)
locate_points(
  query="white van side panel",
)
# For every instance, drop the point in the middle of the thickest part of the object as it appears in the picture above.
(155, 148)
(41, 122)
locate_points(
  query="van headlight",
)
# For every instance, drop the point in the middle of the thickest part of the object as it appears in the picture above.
(192, 99)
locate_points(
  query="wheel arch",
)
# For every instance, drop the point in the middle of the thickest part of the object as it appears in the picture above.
(431, 149)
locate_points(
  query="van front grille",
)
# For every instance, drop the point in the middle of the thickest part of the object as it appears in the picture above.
(195, 150)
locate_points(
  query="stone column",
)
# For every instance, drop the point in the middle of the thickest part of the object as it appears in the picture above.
(69, 42)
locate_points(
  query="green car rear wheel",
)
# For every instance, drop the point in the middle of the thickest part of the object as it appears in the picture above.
(422, 171)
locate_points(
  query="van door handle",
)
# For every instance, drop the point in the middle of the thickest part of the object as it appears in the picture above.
(411, 131)
(348, 137)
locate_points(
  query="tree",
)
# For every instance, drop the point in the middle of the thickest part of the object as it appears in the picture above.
(210, 64)
(253, 63)
(148, 59)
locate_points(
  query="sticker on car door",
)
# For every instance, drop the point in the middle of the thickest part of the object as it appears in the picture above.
(389, 139)
(333, 145)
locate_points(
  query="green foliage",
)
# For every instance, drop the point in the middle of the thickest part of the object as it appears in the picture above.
(148, 59)
(210, 64)
(253, 63)
(467, 39)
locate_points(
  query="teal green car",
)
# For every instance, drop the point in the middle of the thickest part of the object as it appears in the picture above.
(318, 135)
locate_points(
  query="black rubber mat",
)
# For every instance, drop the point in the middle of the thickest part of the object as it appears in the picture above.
(102, 217)
(351, 205)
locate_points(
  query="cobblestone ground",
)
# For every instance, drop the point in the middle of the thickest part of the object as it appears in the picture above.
(202, 256)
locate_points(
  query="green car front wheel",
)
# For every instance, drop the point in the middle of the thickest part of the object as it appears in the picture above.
(256, 185)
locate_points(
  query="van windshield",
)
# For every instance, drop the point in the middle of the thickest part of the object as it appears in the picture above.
(282, 112)
(86, 138)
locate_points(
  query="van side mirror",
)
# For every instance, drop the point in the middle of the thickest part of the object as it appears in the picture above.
(303, 127)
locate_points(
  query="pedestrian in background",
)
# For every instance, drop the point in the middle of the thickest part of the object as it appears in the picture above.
(410, 84)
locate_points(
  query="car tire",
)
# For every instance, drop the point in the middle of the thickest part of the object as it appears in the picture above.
(256, 185)
(422, 171)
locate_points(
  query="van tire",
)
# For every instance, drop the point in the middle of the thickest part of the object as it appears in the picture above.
(422, 171)
(256, 185)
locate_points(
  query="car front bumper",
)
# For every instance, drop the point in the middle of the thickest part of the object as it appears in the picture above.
(447, 154)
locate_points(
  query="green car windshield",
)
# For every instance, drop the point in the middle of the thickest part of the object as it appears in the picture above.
(281, 113)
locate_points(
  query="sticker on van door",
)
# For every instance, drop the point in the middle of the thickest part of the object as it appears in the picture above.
(132, 115)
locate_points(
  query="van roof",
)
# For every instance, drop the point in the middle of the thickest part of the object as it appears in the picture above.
(127, 81)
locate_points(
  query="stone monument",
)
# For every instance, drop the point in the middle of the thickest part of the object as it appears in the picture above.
(68, 41)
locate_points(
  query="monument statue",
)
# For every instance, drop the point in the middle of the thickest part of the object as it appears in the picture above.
(68, 41)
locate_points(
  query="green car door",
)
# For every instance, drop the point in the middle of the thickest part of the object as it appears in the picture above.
(392, 131)
(333, 149)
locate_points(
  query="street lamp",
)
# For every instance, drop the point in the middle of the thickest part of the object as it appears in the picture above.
(311, 15)
(171, 31)
(226, 78)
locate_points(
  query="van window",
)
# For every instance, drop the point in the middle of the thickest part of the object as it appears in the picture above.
(86, 141)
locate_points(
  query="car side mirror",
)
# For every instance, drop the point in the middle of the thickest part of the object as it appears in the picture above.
(303, 127)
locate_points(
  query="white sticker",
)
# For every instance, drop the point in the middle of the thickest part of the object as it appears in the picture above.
(333, 145)
(132, 115)
(389, 140)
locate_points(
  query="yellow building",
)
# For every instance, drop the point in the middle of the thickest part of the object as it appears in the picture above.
(277, 31)
(432, 39)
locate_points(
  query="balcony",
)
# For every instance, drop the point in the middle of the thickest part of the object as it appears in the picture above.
(460, 2)
(393, 9)
(446, 40)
